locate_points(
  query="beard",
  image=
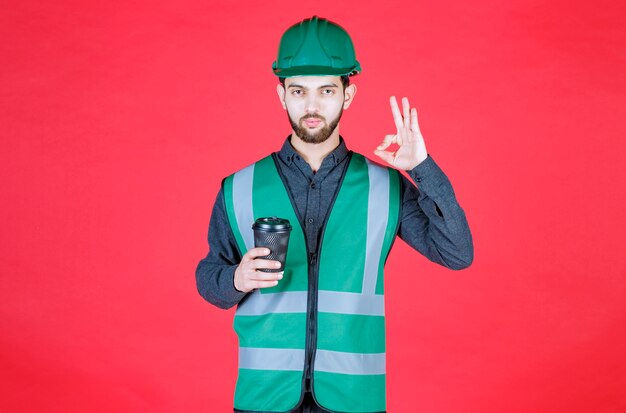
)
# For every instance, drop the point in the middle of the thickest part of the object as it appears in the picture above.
(314, 137)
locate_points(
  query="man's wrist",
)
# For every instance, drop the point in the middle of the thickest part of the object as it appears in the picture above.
(430, 179)
(422, 169)
(418, 162)
(235, 289)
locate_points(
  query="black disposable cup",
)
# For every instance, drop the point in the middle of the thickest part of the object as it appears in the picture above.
(272, 233)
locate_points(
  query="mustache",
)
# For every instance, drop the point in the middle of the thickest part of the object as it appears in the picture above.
(305, 117)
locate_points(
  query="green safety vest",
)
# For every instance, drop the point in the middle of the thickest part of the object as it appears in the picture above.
(343, 351)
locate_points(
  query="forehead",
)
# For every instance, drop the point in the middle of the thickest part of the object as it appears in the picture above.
(313, 82)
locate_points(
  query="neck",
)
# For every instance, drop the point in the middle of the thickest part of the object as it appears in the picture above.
(314, 153)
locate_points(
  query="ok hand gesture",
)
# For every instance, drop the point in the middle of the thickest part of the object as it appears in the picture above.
(412, 149)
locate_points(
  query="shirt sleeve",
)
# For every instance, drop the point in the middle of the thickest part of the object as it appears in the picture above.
(215, 273)
(432, 221)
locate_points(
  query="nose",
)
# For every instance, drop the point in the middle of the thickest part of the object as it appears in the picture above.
(312, 104)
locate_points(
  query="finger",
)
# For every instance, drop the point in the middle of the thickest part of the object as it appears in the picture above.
(255, 252)
(262, 284)
(415, 127)
(406, 108)
(388, 140)
(385, 156)
(395, 111)
(266, 276)
(267, 264)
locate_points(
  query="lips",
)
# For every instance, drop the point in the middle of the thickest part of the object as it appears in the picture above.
(312, 122)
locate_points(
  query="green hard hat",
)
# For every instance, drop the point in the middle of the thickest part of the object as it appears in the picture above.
(316, 46)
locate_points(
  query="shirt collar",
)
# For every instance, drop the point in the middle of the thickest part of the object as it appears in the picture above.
(288, 153)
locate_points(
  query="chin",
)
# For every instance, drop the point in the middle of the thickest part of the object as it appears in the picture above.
(316, 139)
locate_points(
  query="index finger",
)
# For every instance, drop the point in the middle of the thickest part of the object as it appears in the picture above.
(395, 110)
(255, 252)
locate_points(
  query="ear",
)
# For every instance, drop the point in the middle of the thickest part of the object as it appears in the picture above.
(281, 95)
(348, 95)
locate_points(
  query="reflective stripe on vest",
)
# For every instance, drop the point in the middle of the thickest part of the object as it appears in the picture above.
(349, 365)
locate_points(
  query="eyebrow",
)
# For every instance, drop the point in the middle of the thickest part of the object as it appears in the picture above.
(321, 87)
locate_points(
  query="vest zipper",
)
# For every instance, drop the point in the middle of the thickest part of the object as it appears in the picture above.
(313, 271)
(311, 320)
(314, 268)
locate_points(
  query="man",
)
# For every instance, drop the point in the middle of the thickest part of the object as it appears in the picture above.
(311, 338)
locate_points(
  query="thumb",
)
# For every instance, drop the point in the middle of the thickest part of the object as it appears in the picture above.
(385, 156)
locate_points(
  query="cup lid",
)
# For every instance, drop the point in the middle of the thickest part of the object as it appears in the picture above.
(272, 224)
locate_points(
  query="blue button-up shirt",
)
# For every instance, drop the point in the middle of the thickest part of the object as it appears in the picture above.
(431, 220)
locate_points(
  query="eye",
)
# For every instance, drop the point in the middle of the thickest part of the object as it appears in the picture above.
(297, 92)
(328, 91)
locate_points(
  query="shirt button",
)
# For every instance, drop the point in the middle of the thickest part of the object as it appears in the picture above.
(312, 185)
(310, 220)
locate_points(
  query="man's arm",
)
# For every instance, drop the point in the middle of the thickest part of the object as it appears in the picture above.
(224, 277)
(215, 273)
(432, 221)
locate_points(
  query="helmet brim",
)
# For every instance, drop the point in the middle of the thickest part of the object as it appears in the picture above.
(316, 71)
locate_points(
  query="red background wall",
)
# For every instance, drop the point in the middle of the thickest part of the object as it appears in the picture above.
(119, 119)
